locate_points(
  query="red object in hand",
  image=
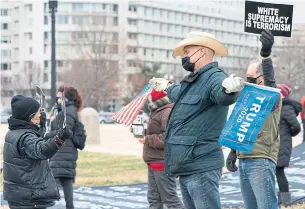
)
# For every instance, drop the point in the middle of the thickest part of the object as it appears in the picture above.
(155, 95)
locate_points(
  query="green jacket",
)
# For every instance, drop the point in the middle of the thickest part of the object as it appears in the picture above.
(196, 121)
(268, 141)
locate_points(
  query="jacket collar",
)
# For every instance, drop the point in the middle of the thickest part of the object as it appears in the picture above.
(190, 78)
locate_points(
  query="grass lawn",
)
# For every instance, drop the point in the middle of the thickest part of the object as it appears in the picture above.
(98, 169)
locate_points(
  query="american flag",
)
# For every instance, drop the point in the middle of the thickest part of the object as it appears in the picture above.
(130, 112)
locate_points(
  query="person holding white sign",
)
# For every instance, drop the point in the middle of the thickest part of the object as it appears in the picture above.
(202, 100)
(161, 188)
(257, 169)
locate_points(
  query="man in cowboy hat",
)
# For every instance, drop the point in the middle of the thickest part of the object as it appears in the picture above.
(201, 105)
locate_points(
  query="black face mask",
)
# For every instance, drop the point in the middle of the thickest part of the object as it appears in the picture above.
(253, 80)
(187, 64)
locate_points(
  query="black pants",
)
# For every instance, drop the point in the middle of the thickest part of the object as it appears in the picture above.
(67, 186)
(162, 191)
(281, 179)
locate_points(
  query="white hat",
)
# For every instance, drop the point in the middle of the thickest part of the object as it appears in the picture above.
(197, 38)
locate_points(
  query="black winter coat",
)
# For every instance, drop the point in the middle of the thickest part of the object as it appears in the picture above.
(289, 127)
(28, 181)
(63, 163)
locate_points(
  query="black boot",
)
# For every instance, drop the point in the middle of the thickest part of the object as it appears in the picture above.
(286, 198)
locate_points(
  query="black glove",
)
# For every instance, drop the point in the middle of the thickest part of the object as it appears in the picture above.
(64, 134)
(43, 119)
(231, 160)
(267, 40)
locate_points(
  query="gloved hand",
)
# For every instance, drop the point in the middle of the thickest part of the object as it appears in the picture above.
(64, 134)
(233, 84)
(267, 40)
(160, 84)
(231, 161)
(43, 119)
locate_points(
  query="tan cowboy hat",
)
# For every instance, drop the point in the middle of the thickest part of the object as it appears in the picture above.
(197, 38)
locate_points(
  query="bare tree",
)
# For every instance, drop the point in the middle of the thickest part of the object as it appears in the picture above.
(139, 80)
(25, 82)
(289, 63)
(95, 67)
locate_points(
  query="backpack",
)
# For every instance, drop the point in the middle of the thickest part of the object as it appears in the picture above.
(79, 138)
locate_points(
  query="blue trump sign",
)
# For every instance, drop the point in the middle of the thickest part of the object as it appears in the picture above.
(249, 114)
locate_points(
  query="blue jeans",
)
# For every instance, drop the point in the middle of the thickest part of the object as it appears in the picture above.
(257, 182)
(200, 191)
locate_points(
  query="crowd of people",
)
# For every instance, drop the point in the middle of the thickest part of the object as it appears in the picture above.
(181, 140)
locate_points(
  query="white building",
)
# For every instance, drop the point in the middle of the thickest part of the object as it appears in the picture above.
(142, 31)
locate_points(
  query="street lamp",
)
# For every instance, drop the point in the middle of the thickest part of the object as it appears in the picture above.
(52, 10)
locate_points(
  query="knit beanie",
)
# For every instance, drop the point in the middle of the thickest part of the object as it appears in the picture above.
(285, 90)
(155, 95)
(24, 108)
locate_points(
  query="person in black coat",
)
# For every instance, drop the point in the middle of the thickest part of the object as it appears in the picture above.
(63, 163)
(289, 127)
(28, 181)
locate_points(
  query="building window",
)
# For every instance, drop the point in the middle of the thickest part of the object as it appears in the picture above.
(46, 7)
(132, 8)
(46, 36)
(16, 52)
(4, 12)
(113, 49)
(45, 77)
(6, 80)
(115, 8)
(46, 20)
(30, 50)
(46, 64)
(132, 49)
(77, 7)
(98, 7)
(28, 64)
(131, 63)
(63, 19)
(132, 22)
(29, 7)
(4, 26)
(132, 35)
(5, 53)
(115, 36)
(45, 48)
(144, 51)
(115, 21)
(145, 11)
(80, 20)
(5, 39)
(29, 36)
(59, 63)
(5, 66)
